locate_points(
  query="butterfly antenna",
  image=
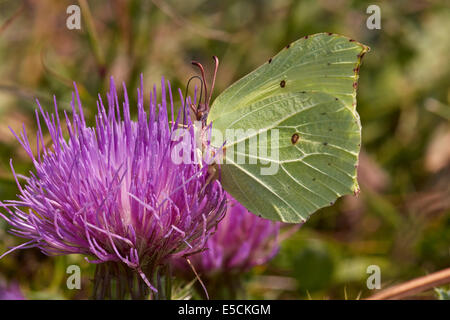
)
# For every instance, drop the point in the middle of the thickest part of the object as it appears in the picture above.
(216, 66)
(186, 93)
(202, 71)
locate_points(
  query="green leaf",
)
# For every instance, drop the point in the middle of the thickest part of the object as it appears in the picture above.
(307, 95)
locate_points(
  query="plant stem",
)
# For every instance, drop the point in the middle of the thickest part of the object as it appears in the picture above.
(93, 37)
(414, 286)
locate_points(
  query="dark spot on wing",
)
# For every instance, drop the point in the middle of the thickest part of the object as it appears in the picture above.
(282, 83)
(295, 137)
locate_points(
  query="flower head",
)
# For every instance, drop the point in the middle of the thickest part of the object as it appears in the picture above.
(112, 191)
(242, 241)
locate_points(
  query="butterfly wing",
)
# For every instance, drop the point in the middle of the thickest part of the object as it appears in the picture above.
(301, 104)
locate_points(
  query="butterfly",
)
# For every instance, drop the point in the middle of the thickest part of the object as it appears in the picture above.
(289, 130)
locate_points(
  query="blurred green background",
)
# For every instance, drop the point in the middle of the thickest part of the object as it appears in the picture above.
(400, 221)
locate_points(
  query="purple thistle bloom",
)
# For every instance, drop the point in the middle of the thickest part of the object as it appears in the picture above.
(241, 242)
(112, 192)
(10, 292)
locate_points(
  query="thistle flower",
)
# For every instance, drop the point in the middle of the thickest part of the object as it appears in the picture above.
(10, 292)
(113, 193)
(241, 242)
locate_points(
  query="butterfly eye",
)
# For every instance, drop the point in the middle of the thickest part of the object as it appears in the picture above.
(283, 83)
